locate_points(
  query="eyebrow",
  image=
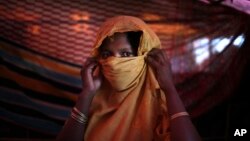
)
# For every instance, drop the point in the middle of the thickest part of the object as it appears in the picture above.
(126, 49)
(104, 50)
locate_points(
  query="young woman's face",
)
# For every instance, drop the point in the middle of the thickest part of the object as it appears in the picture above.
(117, 46)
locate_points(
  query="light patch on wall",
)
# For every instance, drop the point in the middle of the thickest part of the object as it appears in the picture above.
(219, 44)
(201, 50)
(80, 16)
(80, 27)
(151, 17)
(239, 41)
(173, 29)
(34, 29)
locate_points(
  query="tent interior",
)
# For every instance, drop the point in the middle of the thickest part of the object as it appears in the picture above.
(44, 43)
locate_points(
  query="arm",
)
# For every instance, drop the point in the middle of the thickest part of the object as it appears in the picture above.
(181, 124)
(181, 127)
(74, 130)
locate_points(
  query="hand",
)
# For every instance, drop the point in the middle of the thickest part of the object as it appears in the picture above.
(91, 82)
(159, 61)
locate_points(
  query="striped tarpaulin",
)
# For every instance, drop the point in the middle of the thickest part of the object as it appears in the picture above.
(44, 43)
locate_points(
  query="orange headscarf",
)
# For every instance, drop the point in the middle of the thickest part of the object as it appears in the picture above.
(130, 104)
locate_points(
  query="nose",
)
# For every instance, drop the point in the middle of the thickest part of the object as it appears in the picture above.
(117, 54)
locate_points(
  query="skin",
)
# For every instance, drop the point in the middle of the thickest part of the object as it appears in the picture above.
(181, 128)
(159, 61)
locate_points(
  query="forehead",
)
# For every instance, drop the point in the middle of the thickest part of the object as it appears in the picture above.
(117, 40)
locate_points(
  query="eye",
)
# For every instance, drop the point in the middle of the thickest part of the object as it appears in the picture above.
(126, 54)
(105, 54)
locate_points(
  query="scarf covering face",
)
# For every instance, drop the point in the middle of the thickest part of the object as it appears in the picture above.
(116, 69)
(129, 106)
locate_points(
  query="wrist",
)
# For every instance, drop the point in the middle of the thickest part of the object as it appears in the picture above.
(84, 101)
(87, 92)
(86, 96)
(169, 87)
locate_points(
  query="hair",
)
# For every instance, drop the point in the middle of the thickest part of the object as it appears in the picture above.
(132, 36)
(134, 40)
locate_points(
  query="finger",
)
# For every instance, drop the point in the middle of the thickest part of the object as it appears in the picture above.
(97, 74)
(88, 73)
(165, 55)
(158, 54)
(153, 51)
(89, 61)
(163, 59)
(88, 66)
(152, 62)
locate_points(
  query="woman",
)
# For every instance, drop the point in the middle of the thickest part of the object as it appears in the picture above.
(128, 91)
